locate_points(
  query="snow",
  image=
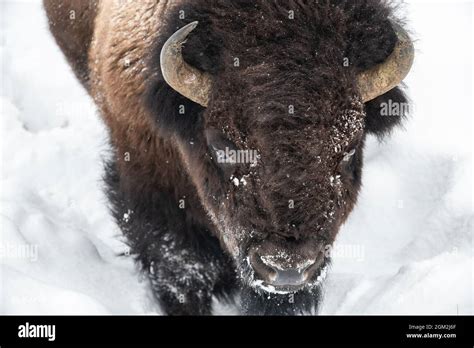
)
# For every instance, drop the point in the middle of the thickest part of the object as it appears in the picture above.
(235, 181)
(406, 248)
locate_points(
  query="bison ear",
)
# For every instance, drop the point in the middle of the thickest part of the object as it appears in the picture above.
(385, 112)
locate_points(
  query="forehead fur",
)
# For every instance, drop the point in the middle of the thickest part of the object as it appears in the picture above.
(269, 56)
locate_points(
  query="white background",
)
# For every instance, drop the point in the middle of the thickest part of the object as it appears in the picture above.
(410, 234)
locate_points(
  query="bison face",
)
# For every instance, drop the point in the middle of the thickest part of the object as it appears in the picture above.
(278, 180)
(275, 151)
(278, 184)
(282, 177)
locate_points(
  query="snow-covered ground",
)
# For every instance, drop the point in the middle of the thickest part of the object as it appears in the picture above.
(407, 247)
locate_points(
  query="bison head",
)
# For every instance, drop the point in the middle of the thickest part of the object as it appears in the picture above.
(273, 137)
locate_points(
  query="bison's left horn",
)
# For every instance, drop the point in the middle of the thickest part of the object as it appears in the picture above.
(183, 78)
(387, 75)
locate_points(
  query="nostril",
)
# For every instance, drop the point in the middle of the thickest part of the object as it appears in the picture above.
(266, 272)
(288, 274)
(291, 267)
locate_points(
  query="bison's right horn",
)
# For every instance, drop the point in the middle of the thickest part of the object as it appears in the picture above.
(183, 78)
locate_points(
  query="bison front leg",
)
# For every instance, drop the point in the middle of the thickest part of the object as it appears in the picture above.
(186, 275)
(181, 279)
(185, 263)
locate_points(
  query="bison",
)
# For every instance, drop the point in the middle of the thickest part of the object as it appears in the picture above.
(237, 130)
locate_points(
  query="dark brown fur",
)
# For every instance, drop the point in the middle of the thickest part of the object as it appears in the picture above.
(163, 158)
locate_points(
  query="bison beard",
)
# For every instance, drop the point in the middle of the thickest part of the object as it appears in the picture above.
(189, 227)
(298, 303)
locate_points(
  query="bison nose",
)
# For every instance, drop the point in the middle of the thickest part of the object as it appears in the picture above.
(281, 273)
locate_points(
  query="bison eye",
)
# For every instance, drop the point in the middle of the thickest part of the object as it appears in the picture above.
(348, 156)
(348, 163)
(222, 151)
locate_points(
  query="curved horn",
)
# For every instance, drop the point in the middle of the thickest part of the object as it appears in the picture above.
(183, 78)
(387, 75)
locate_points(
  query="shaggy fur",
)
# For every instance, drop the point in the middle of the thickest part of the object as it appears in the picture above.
(186, 221)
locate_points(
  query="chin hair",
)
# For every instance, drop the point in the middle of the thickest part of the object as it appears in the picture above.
(254, 301)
